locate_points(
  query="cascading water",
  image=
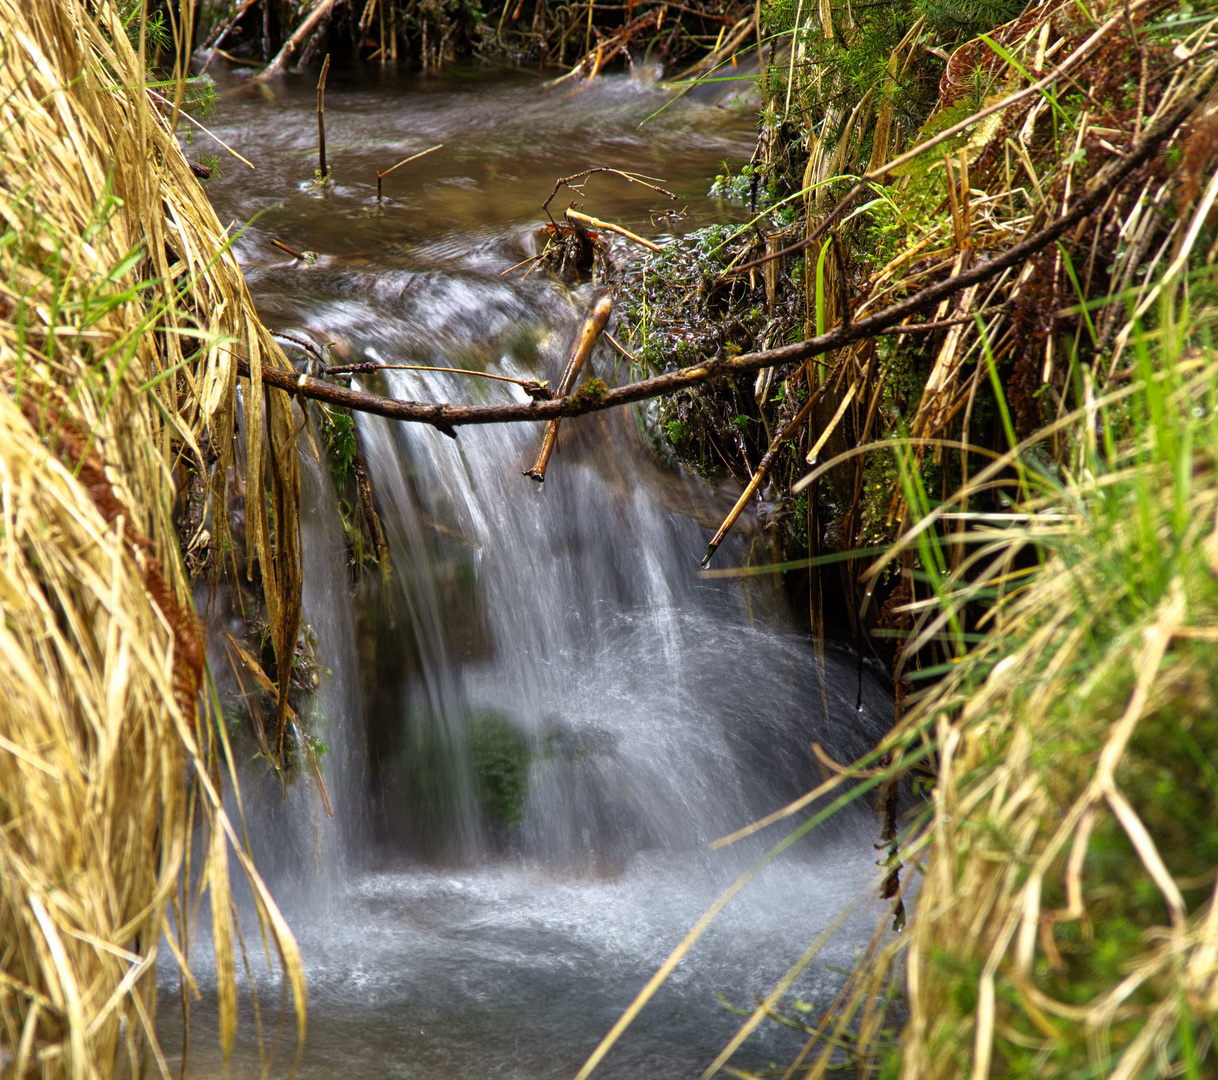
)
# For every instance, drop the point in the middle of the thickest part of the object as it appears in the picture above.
(544, 715)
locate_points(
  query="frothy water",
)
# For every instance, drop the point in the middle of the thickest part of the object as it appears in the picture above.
(559, 629)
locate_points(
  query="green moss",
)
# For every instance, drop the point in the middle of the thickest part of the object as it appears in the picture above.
(592, 393)
(501, 754)
(677, 432)
(338, 431)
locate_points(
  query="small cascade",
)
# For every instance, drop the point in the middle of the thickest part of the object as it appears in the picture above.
(540, 715)
(337, 708)
(301, 850)
(562, 626)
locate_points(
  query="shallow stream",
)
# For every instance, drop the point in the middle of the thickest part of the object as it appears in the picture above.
(661, 709)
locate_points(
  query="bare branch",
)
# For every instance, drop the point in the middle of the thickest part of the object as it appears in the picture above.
(629, 177)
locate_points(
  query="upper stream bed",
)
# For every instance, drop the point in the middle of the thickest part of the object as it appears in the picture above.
(507, 137)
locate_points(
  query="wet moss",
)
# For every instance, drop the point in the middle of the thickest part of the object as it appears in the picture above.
(501, 753)
(589, 394)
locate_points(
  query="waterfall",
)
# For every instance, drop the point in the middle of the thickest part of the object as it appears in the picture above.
(539, 714)
(655, 715)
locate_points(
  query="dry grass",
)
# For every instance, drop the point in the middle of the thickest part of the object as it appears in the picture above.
(1012, 172)
(119, 323)
(1066, 923)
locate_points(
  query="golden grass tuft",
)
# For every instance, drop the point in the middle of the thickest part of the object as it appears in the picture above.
(1066, 922)
(121, 315)
(1066, 862)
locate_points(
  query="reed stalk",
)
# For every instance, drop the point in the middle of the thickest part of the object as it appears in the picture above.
(322, 171)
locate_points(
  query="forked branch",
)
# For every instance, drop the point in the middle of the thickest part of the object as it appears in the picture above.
(573, 182)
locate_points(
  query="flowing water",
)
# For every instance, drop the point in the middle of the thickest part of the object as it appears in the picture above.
(558, 633)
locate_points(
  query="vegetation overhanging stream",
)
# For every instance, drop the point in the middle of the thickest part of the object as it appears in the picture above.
(492, 745)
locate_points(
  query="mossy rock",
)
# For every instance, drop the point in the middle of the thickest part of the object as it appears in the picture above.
(501, 753)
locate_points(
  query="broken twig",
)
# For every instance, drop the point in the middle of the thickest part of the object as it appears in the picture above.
(596, 223)
(629, 177)
(759, 473)
(588, 333)
(321, 118)
(538, 390)
(291, 251)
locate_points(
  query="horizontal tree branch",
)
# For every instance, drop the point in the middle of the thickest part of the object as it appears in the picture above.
(447, 417)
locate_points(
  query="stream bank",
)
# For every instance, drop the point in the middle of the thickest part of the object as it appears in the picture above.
(581, 39)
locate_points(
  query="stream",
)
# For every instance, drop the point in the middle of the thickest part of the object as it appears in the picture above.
(661, 709)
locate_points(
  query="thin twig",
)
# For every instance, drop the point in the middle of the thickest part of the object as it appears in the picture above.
(209, 134)
(629, 177)
(291, 251)
(531, 258)
(212, 45)
(535, 388)
(306, 345)
(945, 324)
(620, 348)
(763, 467)
(405, 161)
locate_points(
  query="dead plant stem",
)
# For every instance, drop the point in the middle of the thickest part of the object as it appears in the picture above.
(321, 118)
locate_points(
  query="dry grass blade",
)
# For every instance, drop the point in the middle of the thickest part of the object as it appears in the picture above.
(121, 316)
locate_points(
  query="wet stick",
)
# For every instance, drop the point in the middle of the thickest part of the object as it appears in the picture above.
(759, 473)
(405, 161)
(321, 118)
(588, 334)
(596, 223)
(291, 251)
